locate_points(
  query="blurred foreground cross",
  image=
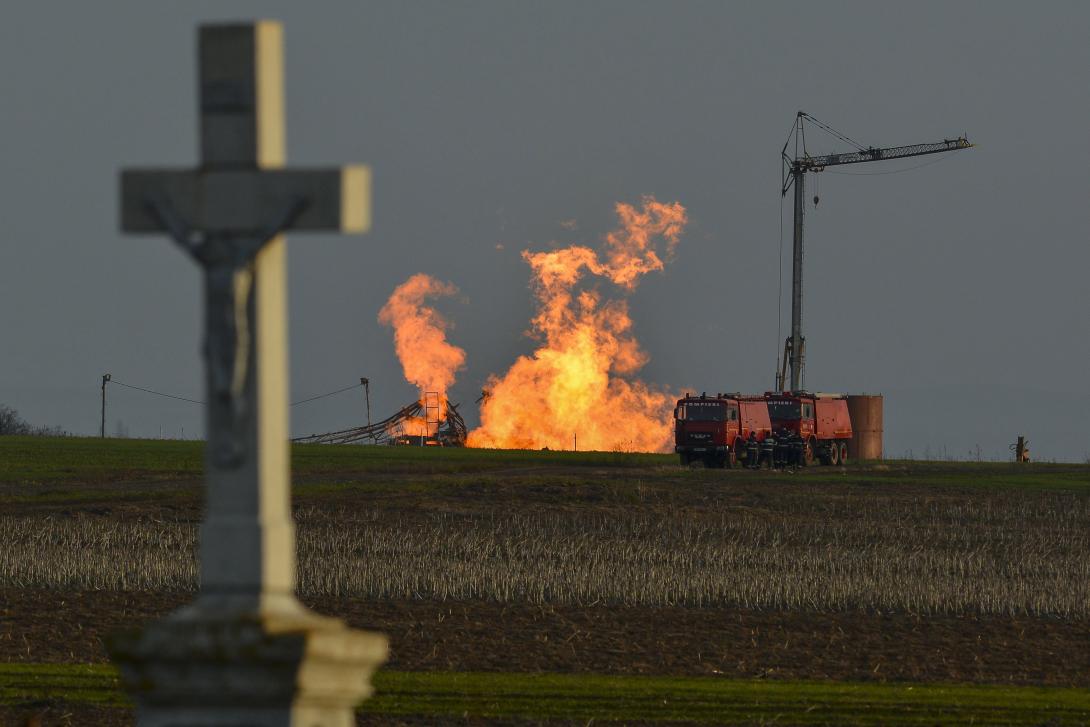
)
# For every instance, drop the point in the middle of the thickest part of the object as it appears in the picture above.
(246, 652)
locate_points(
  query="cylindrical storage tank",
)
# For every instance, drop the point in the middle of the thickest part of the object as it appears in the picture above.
(866, 413)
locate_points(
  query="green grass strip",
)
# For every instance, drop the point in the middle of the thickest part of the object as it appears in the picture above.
(54, 461)
(584, 697)
(96, 684)
(37, 460)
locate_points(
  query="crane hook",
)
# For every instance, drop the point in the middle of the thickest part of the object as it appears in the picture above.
(816, 200)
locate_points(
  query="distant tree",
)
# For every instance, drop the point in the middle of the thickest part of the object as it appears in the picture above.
(11, 423)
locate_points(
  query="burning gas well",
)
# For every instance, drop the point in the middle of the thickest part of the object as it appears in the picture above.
(580, 383)
(427, 359)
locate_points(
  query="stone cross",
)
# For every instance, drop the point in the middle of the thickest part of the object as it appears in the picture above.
(246, 651)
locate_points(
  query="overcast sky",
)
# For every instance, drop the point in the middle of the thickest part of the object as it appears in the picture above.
(957, 289)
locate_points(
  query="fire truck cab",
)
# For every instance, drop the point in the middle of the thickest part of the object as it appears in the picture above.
(717, 429)
(818, 423)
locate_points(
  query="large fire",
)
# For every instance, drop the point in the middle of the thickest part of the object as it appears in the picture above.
(578, 386)
(427, 358)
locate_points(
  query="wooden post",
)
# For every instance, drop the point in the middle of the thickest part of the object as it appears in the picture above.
(105, 378)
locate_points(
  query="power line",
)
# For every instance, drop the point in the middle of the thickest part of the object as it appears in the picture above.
(322, 396)
(195, 401)
(157, 393)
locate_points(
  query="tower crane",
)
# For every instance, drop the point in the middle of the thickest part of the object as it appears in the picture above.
(795, 169)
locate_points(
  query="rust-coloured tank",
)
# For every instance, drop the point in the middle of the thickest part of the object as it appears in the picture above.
(866, 414)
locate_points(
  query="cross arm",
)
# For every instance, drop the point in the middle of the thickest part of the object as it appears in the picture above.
(248, 200)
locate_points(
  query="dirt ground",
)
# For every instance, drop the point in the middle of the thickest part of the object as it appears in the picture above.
(43, 626)
(51, 626)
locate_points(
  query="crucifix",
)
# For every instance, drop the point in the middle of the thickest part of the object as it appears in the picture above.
(229, 215)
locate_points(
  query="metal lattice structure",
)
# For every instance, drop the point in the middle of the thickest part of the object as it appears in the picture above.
(449, 432)
(795, 168)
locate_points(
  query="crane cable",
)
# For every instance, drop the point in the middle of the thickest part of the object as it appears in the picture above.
(834, 132)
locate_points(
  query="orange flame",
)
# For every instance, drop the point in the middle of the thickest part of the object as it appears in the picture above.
(572, 386)
(428, 360)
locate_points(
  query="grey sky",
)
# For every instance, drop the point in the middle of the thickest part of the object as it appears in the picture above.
(958, 289)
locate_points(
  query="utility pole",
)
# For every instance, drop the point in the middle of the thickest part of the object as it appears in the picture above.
(102, 431)
(367, 396)
(795, 168)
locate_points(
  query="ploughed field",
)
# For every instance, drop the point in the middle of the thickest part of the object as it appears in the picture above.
(610, 564)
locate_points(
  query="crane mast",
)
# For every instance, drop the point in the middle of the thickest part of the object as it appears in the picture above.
(795, 169)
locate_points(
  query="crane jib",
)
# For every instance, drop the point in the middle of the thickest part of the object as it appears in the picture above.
(816, 164)
(795, 169)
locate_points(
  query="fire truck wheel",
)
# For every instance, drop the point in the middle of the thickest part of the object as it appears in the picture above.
(834, 453)
(843, 453)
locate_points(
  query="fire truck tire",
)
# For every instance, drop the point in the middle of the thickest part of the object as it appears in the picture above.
(843, 453)
(834, 453)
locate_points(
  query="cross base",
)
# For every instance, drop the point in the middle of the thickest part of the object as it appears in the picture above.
(284, 667)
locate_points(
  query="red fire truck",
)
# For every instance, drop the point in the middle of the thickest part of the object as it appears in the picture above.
(717, 429)
(817, 424)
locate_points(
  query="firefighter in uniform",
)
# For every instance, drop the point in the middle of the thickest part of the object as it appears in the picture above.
(798, 452)
(783, 448)
(768, 451)
(753, 451)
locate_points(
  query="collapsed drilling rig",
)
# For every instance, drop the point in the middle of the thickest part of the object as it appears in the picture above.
(421, 423)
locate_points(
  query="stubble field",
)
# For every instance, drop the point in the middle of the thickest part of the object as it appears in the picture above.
(598, 565)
